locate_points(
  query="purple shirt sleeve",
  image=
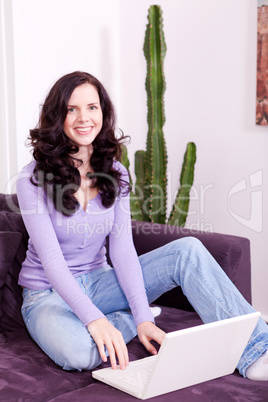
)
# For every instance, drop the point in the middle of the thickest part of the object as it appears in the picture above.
(125, 260)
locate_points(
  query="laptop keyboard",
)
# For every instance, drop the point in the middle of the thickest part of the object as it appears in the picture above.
(138, 378)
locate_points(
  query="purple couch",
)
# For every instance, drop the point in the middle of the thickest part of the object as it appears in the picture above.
(27, 374)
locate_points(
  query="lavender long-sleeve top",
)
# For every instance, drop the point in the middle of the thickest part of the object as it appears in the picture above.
(63, 247)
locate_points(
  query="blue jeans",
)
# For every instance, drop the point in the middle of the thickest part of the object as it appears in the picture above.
(185, 262)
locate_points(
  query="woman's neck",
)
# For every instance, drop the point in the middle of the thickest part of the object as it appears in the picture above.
(84, 154)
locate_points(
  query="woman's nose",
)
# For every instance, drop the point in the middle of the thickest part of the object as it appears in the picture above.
(83, 116)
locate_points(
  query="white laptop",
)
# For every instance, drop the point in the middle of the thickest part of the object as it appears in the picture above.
(186, 357)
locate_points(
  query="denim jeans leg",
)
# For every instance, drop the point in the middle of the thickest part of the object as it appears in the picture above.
(188, 264)
(59, 332)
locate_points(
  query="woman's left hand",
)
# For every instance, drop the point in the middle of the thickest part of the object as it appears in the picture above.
(148, 331)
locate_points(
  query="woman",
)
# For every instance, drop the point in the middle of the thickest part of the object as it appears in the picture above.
(73, 195)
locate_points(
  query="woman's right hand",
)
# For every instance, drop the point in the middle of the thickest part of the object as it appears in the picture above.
(105, 334)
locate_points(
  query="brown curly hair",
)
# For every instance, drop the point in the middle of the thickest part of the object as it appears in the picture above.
(54, 152)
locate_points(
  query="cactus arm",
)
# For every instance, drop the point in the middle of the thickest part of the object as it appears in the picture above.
(134, 203)
(140, 169)
(180, 208)
(156, 154)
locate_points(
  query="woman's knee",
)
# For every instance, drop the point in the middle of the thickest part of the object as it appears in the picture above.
(188, 242)
(79, 358)
(73, 351)
(65, 339)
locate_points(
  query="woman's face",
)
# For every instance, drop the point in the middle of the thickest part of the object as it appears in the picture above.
(84, 115)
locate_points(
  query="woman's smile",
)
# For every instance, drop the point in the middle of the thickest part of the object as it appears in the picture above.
(84, 130)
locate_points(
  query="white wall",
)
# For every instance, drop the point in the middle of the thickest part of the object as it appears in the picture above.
(210, 69)
(51, 38)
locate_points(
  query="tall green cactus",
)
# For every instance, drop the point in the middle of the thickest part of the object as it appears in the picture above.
(156, 154)
(149, 200)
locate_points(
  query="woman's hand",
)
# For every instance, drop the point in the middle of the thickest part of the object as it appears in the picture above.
(105, 334)
(147, 332)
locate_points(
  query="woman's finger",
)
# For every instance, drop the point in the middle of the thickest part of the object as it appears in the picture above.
(121, 353)
(101, 348)
(111, 351)
(126, 357)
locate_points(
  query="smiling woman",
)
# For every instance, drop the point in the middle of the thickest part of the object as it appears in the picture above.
(70, 290)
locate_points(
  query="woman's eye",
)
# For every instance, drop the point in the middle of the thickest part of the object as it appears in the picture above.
(71, 109)
(93, 107)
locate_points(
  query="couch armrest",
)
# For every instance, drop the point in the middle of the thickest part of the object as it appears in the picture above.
(231, 252)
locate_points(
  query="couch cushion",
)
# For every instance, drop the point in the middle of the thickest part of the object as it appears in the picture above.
(12, 295)
(9, 244)
(9, 202)
(12, 222)
(11, 292)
